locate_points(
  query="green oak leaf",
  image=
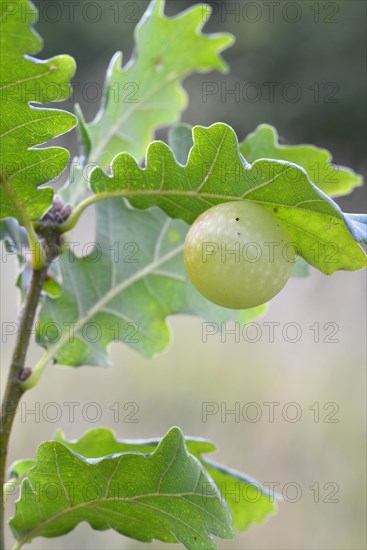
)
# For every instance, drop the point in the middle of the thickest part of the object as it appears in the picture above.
(247, 499)
(98, 442)
(332, 179)
(166, 495)
(216, 172)
(147, 93)
(180, 141)
(124, 289)
(25, 81)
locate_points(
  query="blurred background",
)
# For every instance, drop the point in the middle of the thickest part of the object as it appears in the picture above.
(301, 67)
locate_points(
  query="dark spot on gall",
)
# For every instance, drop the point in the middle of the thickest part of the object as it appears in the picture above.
(237, 219)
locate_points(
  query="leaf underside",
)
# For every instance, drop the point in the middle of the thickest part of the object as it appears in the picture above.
(147, 94)
(124, 289)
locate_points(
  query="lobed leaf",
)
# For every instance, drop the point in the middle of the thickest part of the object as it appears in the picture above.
(332, 179)
(180, 141)
(248, 500)
(26, 80)
(216, 172)
(146, 94)
(166, 495)
(124, 289)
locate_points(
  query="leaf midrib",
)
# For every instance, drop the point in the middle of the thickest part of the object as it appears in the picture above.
(113, 131)
(127, 193)
(170, 77)
(107, 298)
